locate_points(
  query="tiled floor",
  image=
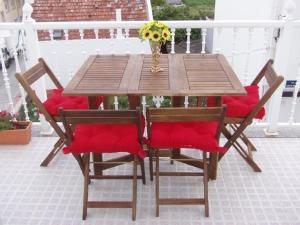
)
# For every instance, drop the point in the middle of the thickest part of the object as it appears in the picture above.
(33, 195)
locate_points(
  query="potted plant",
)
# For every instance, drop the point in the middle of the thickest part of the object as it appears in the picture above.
(12, 131)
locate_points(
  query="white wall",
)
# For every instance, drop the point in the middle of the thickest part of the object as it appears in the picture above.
(244, 10)
(65, 57)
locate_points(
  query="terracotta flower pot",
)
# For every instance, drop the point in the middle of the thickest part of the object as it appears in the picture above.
(17, 136)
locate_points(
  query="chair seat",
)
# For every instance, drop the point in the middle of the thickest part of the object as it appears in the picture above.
(241, 106)
(106, 138)
(57, 100)
(198, 135)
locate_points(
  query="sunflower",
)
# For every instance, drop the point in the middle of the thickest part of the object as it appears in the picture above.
(146, 34)
(155, 36)
(166, 34)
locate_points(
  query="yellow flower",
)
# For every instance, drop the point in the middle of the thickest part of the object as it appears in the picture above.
(155, 36)
(146, 34)
(166, 34)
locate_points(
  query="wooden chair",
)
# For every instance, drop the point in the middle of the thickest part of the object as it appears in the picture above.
(123, 126)
(239, 124)
(197, 128)
(26, 79)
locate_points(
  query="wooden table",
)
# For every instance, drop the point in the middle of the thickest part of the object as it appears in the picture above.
(182, 75)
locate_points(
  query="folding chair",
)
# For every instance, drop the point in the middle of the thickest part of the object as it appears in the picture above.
(243, 109)
(196, 128)
(107, 131)
(49, 108)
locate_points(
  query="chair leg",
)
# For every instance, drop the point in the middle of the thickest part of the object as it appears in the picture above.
(80, 162)
(205, 182)
(86, 184)
(56, 148)
(142, 170)
(245, 139)
(240, 150)
(151, 163)
(134, 188)
(247, 158)
(157, 181)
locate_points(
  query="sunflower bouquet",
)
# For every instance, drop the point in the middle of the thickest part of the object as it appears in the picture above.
(155, 31)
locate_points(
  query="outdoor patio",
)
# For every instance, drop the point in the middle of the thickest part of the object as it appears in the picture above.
(30, 194)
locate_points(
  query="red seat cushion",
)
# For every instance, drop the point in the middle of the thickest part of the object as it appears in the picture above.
(241, 106)
(57, 100)
(106, 138)
(199, 135)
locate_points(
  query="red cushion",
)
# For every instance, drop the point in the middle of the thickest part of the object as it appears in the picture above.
(241, 106)
(199, 135)
(57, 100)
(106, 138)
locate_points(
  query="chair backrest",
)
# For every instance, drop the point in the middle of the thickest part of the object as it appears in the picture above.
(71, 118)
(273, 79)
(30, 76)
(181, 114)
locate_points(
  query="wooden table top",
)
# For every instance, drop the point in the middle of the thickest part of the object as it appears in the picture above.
(182, 75)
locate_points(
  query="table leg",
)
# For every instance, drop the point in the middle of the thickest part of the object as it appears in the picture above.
(134, 101)
(213, 157)
(97, 157)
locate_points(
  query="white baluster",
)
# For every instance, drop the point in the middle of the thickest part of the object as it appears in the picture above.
(188, 40)
(126, 33)
(233, 51)
(6, 80)
(144, 104)
(112, 41)
(97, 32)
(203, 35)
(18, 70)
(66, 33)
(128, 49)
(218, 40)
(186, 101)
(83, 52)
(294, 103)
(116, 102)
(246, 70)
(158, 100)
(54, 54)
(173, 40)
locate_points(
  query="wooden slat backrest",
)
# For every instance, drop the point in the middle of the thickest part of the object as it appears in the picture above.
(37, 71)
(75, 117)
(273, 81)
(185, 115)
(268, 73)
(27, 78)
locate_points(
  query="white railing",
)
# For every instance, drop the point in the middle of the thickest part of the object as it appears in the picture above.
(247, 40)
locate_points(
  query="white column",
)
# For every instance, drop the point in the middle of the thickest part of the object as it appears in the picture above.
(33, 53)
(281, 63)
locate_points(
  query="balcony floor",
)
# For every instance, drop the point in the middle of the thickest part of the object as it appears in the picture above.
(30, 194)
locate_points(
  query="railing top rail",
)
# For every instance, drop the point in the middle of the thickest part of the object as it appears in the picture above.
(11, 26)
(172, 24)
